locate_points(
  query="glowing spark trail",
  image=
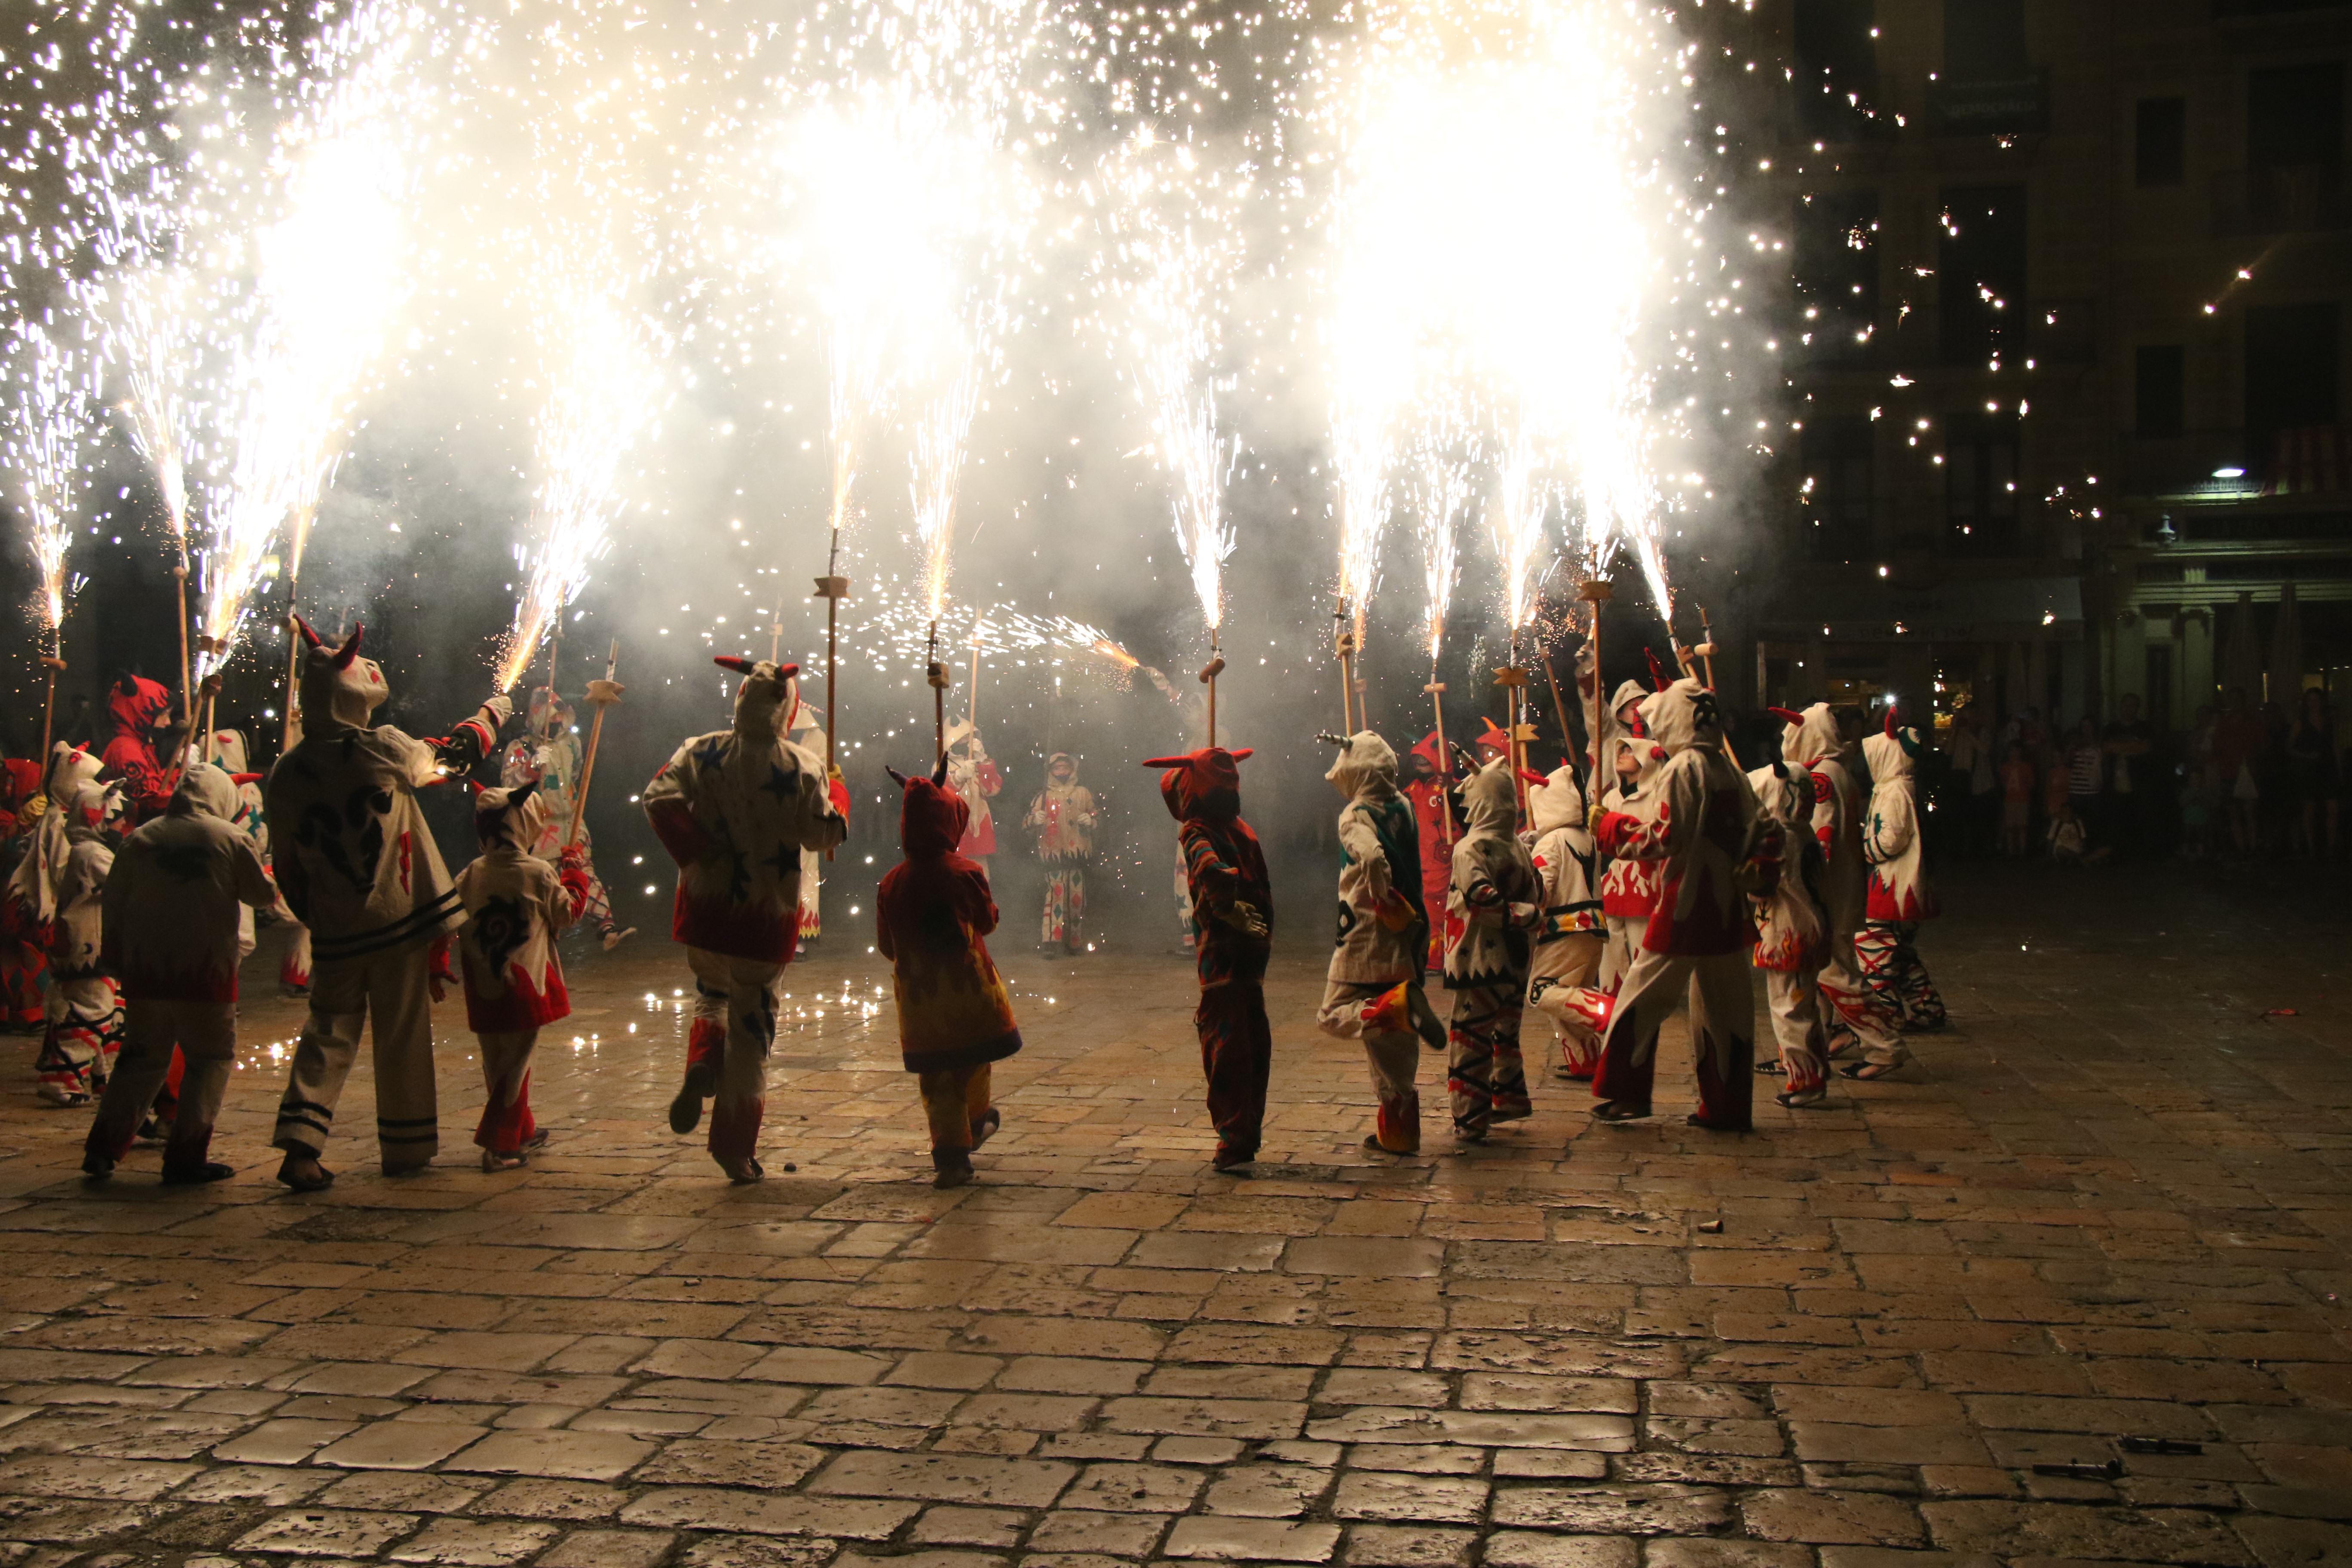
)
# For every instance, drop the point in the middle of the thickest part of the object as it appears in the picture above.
(941, 434)
(47, 416)
(1443, 452)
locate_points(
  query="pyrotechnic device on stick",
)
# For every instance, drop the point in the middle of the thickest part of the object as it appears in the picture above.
(605, 693)
(1209, 673)
(1343, 643)
(1595, 591)
(55, 666)
(935, 675)
(832, 589)
(1513, 680)
(1436, 690)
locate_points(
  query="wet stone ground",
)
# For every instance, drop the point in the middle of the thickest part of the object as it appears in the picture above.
(2067, 1291)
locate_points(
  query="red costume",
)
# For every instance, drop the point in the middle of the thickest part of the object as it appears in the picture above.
(135, 705)
(1424, 787)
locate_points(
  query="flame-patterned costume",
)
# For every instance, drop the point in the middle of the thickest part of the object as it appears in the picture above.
(1792, 933)
(1232, 937)
(1371, 992)
(1423, 784)
(85, 1003)
(547, 753)
(1564, 969)
(1629, 888)
(31, 900)
(1855, 1016)
(176, 907)
(1491, 914)
(1899, 897)
(517, 905)
(357, 863)
(1063, 816)
(1701, 829)
(134, 707)
(735, 808)
(933, 916)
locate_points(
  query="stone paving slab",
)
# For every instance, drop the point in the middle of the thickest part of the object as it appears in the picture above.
(2069, 1293)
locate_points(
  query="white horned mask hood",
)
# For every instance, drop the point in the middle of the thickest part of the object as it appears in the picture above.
(1557, 802)
(1682, 715)
(340, 689)
(1364, 758)
(769, 692)
(509, 818)
(1811, 736)
(1489, 803)
(1893, 751)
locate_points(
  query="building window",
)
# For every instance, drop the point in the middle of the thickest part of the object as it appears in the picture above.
(2160, 142)
(1835, 500)
(2294, 145)
(1836, 273)
(1980, 494)
(1984, 40)
(2292, 359)
(1980, 274)
(1837, 68)
(2160, 389)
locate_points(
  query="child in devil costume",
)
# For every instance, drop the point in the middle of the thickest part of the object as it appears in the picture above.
(1792, 933)
(933, 916)
(735, 808)
(1564, 969)
(357, 863)
(1491, 911)
(1373, 990)
(1629, 888)
(31, 899)
(135, 707)
(1701, 831)
(180, 893)
(1852, 1015)
(517, 905)
(1899, 897)
(85, 1004)
(1233, 928)
(1425, 785)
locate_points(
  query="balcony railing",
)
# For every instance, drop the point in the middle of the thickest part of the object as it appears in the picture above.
(2011, 106)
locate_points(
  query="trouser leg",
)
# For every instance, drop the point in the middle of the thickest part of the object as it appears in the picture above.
(954, 1101)
(507, 1124)
(323, 1054)
(1577, 1009)
(1853, 1012)
(1793, 999)
(1652, 987)
(1237, 1055)
(407, 1100)
(1723, 1041)
(81, 1041)
(1484, 1078)
(294, 969)
(706, 1032)
(1900, 975)
(1380, 1017)
(150, 1043)
(205, 1049)
(752, 994)
(166, 1109)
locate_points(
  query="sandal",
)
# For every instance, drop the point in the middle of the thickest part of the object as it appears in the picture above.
(1870, 1072)
(197, 1174)
(497, 1160)
(1801, 1099)
(1620, 1111)
(317, 1179)
(952, 1176)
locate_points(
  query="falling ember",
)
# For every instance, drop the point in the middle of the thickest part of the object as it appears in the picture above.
(1174, 244)
(46, 422)
(1116, 654)
(600, 393)
(942, 431)
(329, 279)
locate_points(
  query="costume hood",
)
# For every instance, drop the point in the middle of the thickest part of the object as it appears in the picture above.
(1051, 782)
(70, 766)
(136, 705)
(549, 715)
(1892, 752)
(229, 750)
(1490, 804)
(1810, 736)
(1204, 785)
(1784, 793)
(1648, 758)
(931, 817)
(1628, 691)
(89, 810)
(206, 789)
(1364, 758)
(1557, 802)
(1493, 740)
(340, 689)
(509, 818)
(1681, 716)
(769, 692)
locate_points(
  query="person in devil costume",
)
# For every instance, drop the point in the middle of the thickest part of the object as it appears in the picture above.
(933, 916)
(1701, 830)
(547, 753)
(1373, 990)
(31, 898)
(1233, 928)
(1899, 897)
(178, 902)
(357, 863)
(1491, 913)
(1564, 969)
(1426, 786)
(1792, 933)
(517, 905)
(735, 808)
(85, 1005)
(1854, 1016)
(135, 707)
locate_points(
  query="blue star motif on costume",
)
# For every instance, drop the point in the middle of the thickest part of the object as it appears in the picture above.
(783, 785)
(786, 861)
(711, 753)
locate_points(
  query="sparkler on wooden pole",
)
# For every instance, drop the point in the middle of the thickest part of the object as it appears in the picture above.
(1596, 593)
(1209, 673)
(209, 690)
(187, 673)
(832, 588)
(1343, 643)
(971, 700)
(1513, 680)
(936, 675)
(1436, 690)
(604, 693)
(293, 662)
(56, 666)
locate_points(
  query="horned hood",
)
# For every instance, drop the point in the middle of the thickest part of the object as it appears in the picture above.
(1894, 753)
(70, 766)
(1810, 736)
(1557, 802)
(1648, 758)
(340, 689)
(1489, 803)
(1783, 793)
(1205, 785)
(769, 692)
(228, 750)
(931, 820)
(136, 705)
(509, 818)
(1682, 716)
(206, 789)
(89, 810)
(1366, 759)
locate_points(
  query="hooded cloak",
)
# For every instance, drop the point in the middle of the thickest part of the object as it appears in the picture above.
(1890, 840)
(933, 916)
(176, 901)
(1379, 851)
(1490, 907)
(1701, 830)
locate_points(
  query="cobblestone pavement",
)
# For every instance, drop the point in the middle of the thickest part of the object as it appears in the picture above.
(2067, 1291)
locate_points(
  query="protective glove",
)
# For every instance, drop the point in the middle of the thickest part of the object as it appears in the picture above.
(1244, 918)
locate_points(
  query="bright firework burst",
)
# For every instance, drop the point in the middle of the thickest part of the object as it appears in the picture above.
(1444, 451)
(942, 433)
(46, 428)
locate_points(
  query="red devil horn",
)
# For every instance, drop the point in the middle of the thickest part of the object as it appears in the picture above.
(1658, 677)
(1170, 761)
(351, 648)
(787, 671)
(1239, 752)
(734, 661)
(902, 779)
(309, 636)
(939, 772)
(1786, 715)
(241, 779)
(1890, 718)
